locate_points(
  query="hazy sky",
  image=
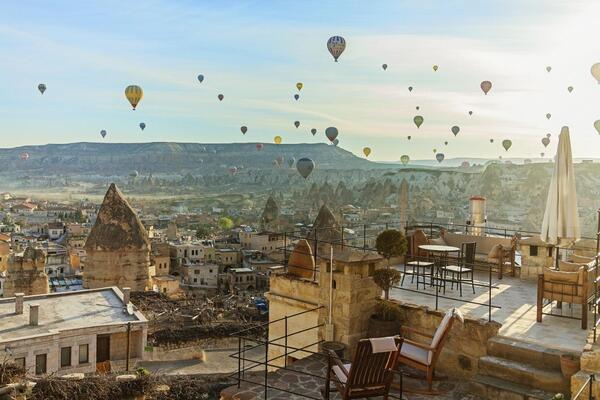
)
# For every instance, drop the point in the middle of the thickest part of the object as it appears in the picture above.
(255, 51)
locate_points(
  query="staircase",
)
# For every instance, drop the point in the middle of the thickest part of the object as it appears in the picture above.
(516, 370)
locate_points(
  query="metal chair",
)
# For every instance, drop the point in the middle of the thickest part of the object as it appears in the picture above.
(466, 261)
(417, 259)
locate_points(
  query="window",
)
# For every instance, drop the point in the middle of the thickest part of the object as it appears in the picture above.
(83, 353)
(533, 251)
(40, 364)
(210, 270)
(20, 362)
(371, 269)
(549, 251)
(197, 271)
(65, 357)
(164, 290)
(195, 280)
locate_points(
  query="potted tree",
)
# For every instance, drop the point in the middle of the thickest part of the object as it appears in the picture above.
(391, 243)
(384, 321)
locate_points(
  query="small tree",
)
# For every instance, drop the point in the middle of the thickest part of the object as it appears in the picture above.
(386, 279)
(225, 223)
(391, 243)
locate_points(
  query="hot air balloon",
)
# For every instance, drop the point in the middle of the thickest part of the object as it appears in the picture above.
(336, 142)
(596, 71)
(597, 125)
(404, 159)
(446, 143)
(103, 133)
(384, 66)
(434, 151)
(506, 144)
(134, 94)
(486, 86)
(232, 170)
(259, 146)
(299, 85)
(548, 68)
(455, 129)
(291, 162)
(305, 166)
(439, 157)
(42, 88)
(418, 120)
(548, 115)
(417, 108)
(313, 131)
(545, 141)
(296, 96)
(491, 140)
(570, 89)
(410, 88)
(548, 135)
(296, 124)
(367, 151)
(277, 139)
(24, 156)
(331, 133)
(220, 97)
(142, 125)
(409, 137)
(336, 46)
(244, 129)
(200, 78)
(470, 112)
(435, 67)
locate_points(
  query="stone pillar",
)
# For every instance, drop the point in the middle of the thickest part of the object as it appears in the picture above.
(19, 303)
(34, 314)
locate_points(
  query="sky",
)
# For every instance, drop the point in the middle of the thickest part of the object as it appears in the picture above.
(254, 52)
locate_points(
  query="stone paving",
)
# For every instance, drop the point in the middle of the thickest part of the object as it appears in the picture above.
(305, 378)
(517, 312)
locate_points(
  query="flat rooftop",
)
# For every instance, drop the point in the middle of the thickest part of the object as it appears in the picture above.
(65, 311)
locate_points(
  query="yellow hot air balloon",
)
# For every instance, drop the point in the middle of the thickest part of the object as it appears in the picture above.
(134, 94)
(367, 151)
(299, 85)
(596, 71)
(277, 139)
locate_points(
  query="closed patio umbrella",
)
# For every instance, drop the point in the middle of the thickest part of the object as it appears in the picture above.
(561, 219)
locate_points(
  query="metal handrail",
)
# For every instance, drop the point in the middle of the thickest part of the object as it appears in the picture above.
(589, 383)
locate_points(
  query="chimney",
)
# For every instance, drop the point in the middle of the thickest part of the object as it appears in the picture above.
(19, 303)
(34, 310)
(126, 293)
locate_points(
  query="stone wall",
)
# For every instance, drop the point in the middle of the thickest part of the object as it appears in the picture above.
(122, 268)
(466, 342)
(189, 351)
(590, 364)
(290, 295)
(30, 282)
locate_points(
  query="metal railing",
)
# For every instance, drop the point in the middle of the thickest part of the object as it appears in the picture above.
(588, 384)
(269, 363)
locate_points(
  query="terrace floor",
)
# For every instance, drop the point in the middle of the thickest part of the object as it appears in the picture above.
(517, 313)
(295, 379)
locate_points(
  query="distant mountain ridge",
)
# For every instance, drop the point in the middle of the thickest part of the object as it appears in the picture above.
(169, 158)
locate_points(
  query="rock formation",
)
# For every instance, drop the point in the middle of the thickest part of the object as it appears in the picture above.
(25, 273)
(326, 231)
(270, 215)
(118, 248)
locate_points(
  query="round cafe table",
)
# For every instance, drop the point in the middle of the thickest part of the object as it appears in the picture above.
(442, 251)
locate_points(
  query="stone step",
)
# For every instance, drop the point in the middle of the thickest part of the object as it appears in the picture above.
(524, 352)
(523, 374)
(490, 388)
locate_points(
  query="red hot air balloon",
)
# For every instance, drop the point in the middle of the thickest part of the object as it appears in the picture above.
(259, 146)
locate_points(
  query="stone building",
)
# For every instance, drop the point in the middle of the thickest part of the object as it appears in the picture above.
(118, 248)
(26, 273)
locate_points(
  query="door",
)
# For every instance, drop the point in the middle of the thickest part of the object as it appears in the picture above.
(102, 348)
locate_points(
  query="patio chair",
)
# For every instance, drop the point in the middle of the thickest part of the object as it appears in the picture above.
(416, 258)
(369, 375)
(463, 271)
(423, 357)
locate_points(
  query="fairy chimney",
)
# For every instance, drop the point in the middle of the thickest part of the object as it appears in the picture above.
(301, 262)
(118, 248)
(270, 215)
(326, 232)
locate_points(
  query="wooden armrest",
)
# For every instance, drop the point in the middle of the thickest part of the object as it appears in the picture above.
(416, 332)
(336, 359)
(421, 345)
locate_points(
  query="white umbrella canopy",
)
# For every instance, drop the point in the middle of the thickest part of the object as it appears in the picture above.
(561, 219)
